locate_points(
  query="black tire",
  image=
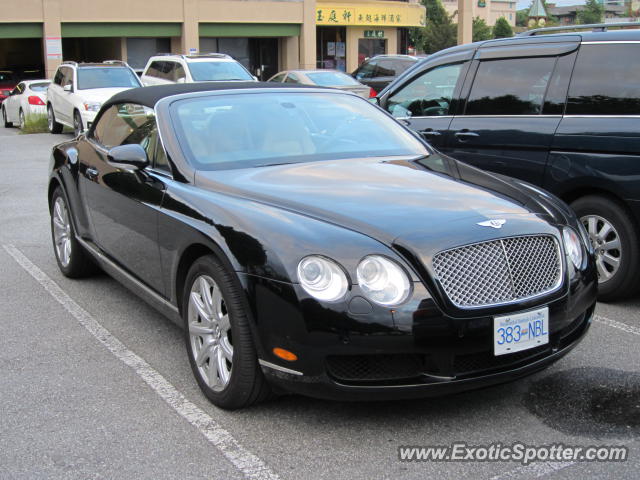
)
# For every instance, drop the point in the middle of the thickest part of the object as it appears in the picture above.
(623, 281)
(79, 263)
(54, 127)
(77, 123)
(246, 385)
(4, 119)
(21, 119)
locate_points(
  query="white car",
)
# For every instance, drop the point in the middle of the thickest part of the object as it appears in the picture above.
(78, 91)
(211, 67)
(27, 99)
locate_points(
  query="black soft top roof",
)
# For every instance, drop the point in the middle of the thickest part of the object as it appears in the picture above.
(149, 96)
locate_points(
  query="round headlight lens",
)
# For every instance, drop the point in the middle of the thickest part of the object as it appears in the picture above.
(322, 278)
(572, 246)
(382, 280)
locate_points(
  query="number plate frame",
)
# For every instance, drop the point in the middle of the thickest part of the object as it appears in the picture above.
(532, 326)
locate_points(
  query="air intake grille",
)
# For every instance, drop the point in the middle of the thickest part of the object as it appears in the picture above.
(499, 271)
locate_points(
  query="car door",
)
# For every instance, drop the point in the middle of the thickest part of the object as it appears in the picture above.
(54, 90)
(123, 203)
(63, 107)
(12, 103)
(426, 100)
(507, 125)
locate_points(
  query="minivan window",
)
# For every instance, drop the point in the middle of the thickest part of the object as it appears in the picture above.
(605, 81)
(514, 86)
(428, 95)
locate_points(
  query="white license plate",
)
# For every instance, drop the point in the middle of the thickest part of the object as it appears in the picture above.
(520, 331)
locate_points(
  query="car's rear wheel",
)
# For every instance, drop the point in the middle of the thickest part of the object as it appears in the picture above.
(4, 119)
(77, 123)
(21, 119)
(54, 127)
(219, 343)
(615, 240)
(72, 260)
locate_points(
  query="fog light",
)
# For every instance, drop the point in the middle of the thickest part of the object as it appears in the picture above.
(285, 354)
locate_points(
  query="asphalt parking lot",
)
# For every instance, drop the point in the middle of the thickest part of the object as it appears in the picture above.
(96, 384)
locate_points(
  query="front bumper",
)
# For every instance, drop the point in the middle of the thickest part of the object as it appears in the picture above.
(348, 351)
(87, 118)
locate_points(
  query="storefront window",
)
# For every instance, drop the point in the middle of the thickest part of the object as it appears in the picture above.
(370, 47)
(332, 48)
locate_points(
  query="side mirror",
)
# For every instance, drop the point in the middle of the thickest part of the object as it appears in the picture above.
(181, 80)
(132, 155)
(255, 79)
(68, 88)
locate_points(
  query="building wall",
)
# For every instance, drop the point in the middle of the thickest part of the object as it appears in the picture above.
(492, 10)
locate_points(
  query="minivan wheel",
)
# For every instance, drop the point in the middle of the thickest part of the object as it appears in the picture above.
(615, 240)
(218, 338)
(54, 127)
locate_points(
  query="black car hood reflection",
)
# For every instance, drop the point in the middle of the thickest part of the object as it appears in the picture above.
(386, 198)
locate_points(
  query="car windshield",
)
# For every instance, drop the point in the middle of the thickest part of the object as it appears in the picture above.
(241, 130)
(107, 77)
(218, 71)
(331, 79)
(39, 87)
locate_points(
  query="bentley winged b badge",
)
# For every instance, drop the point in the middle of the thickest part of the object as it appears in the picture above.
(493, 223)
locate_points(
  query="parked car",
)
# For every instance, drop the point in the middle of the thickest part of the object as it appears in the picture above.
(28, 98)
(78, 91)
(8, 82)
(324, 78)
(379, 71)
(559, 111)
(309, 243)
(211, 67)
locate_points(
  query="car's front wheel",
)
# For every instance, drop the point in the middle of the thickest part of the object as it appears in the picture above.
(219, 343)
(4, 119)
(54, 127)
(615, 240)
(72, 260)
(77, 123)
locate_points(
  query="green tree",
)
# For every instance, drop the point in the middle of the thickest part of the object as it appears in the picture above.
(439, 31)
(502, 28)
(481, 31)
(522, 17)
(592, 12)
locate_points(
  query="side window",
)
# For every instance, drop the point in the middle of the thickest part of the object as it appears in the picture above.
(178, 73)
(292, 78)
(366, 70)
(67, 76)
(605, 81)
(430, 94)
(124, 124)
(514, 86)
(167, 71)
(58, 77)
(154, 69)
(385, 68)
(278, 78)
(160, 160)
(556, 97)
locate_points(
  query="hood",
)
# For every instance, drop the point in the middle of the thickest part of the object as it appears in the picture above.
(100, 95)
(392, 199)
(361, 90)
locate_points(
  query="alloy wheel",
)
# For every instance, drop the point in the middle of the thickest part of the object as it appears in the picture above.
(50, 119)
(62, 231)
(210, 333)
(606, 243)
(77, 125)
(21, 119)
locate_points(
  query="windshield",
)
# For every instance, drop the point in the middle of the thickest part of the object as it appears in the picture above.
(107, 77)
(331, 79)
(39, 87)
(218, 71)
(219, 132)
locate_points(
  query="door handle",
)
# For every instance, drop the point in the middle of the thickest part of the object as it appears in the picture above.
(91, 173)
(465, 135)
(429, 132)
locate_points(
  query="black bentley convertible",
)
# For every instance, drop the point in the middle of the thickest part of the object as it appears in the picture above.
(309, 243)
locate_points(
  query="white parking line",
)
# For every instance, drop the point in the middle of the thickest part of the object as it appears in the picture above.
(619, 325)
(533, 470)
(249, 464)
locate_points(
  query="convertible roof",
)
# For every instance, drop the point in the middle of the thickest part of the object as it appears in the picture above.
(149, 96)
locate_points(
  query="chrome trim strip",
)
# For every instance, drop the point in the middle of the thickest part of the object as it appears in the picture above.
(132, 279)
(604, 42)
(601, 116)
(264, 363)
(506, 116)
(554, 289)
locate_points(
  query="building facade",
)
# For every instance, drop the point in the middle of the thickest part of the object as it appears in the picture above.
(265, 35)
(488, 10)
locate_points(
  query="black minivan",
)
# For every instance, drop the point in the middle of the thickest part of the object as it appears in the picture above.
(560, 110)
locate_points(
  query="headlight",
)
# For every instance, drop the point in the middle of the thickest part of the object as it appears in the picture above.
(572, 246)
(322, 278)
(92, 106)
(382, 280)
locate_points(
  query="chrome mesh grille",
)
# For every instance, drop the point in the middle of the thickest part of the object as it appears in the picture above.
(499, 271)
